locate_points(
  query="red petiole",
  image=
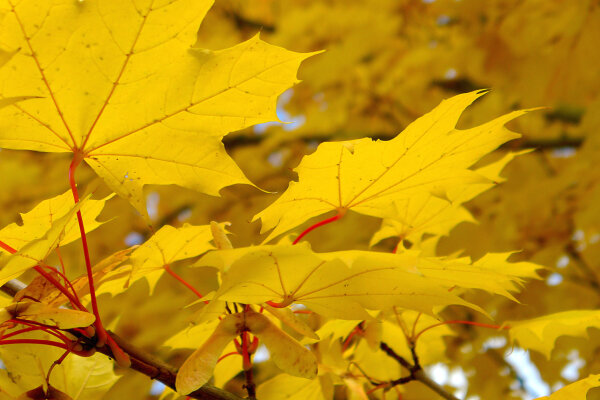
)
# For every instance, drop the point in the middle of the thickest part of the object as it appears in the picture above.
(318, 224)
(74, 301)
(36, 341)
(246, 363)
(48, 329)
(20, 331)
(100, 331)
(356, 331)
(70, 286)
(184, 282)
(227, 355)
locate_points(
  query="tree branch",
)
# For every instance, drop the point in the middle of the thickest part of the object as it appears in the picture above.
(234, 141)
(141, 361)
(416, 372)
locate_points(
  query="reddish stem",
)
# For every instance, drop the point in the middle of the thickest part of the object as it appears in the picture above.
(396, 247)
(380, 386)
(74, 300)
(100, 332)
(318, 224)
(7, 247)
(48, 329)
(20, 331)
(49, 278)
(55, 363)
(277, 305)
(227, 355)
(62, 265)
(35, 341)
(356, 331)
(247, 364)
(70, 286)
(481, 325)
(184, 282)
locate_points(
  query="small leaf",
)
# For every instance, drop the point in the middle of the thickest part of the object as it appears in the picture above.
(60, 317)
(36, 251)
(292, 320)
(39, 220)
(198, 367)
(220, 236)
(285, 351)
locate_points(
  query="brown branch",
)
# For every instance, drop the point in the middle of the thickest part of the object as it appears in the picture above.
(416, 372)
(141, 361)
(234, 141)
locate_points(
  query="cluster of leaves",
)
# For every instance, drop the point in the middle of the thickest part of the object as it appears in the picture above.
(398, 278)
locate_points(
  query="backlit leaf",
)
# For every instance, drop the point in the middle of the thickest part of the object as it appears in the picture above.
(38, 221)
(541, 333)
(44, 314)
(329, 284)
(79, 377)
(430, 157)
(198, 367)
(36, 251)
(285, 351)
(117, 81)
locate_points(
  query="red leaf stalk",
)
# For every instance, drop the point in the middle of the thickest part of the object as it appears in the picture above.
(100, 332)
(318, 224)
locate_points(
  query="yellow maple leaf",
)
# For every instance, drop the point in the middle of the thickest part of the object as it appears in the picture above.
(150, 260)
(436, 216)
(541, 333)
(118, 84)
(38, 221)
(576, 390)
(47, 315)
(430, 157)
(37, 250)
(329, 284)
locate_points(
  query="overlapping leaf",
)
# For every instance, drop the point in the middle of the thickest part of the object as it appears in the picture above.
(37, 250)
(436, 216)
(429, 157)
(541, 333)
(38, 221)
(492, 273)
(148, 261)
(44, 314)
(328, 285)
(119, 86)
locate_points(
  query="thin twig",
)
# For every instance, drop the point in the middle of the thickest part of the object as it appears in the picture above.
(416, 372)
